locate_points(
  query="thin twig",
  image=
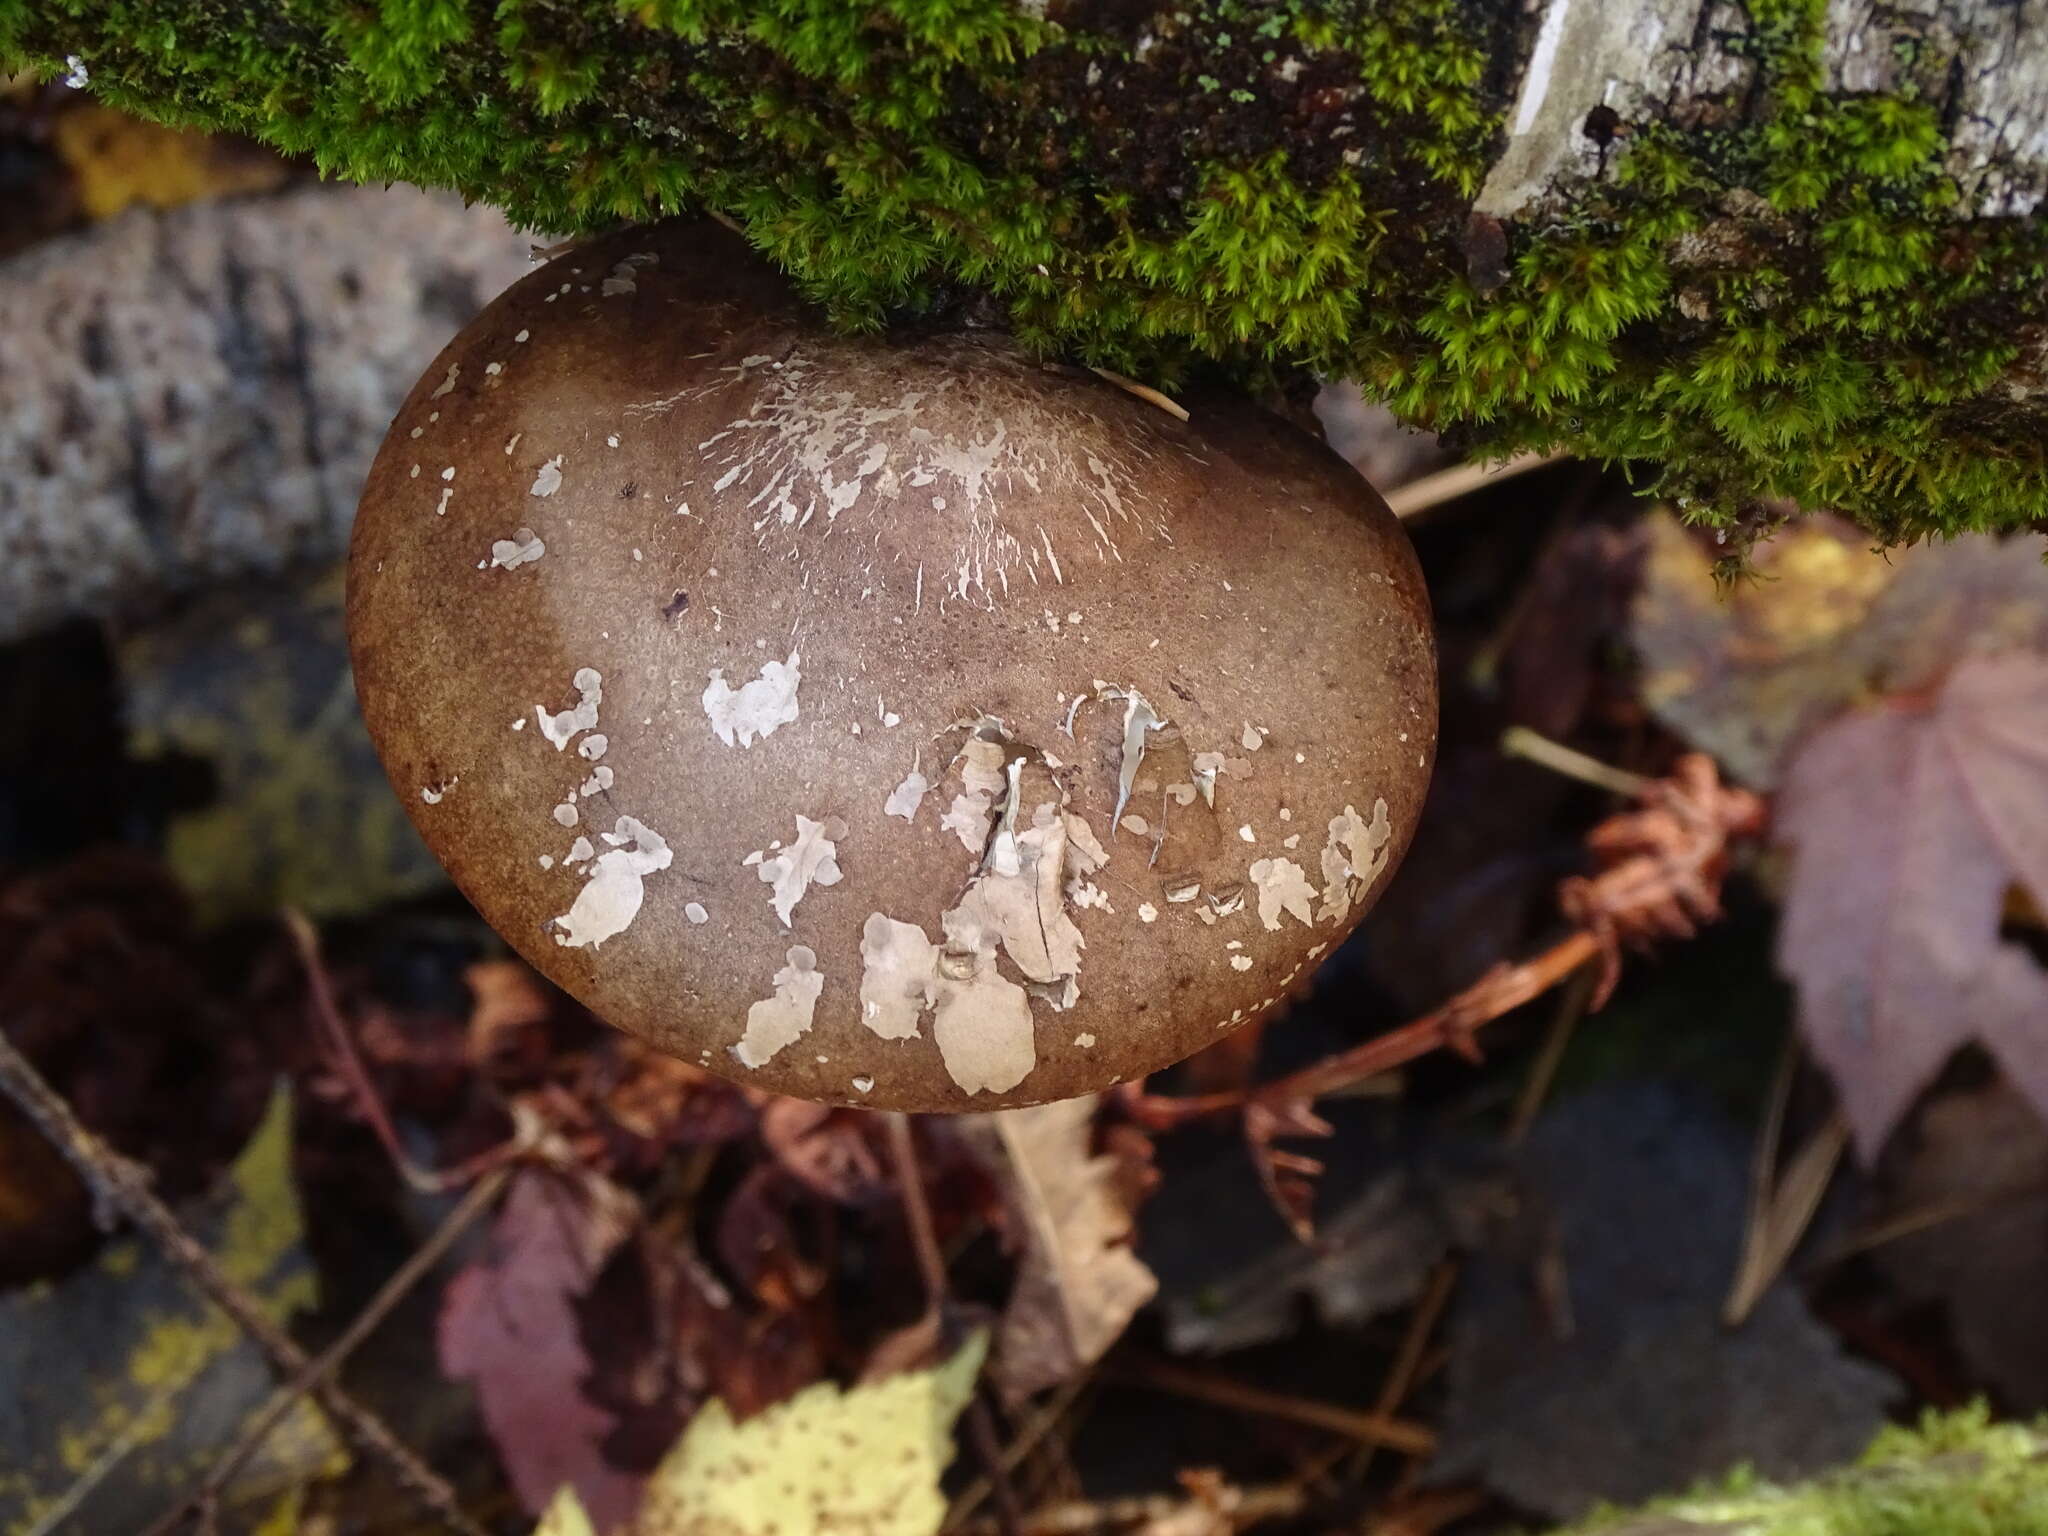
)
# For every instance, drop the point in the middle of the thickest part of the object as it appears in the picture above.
(1400, 1378)
(119, 1185)
(1144, 392)
(1447, 485)
(1403, 1435)
(1500, 990)
(327, 1012)
(1571, 1009)
(1087, 1517)
(323, 1366)
(917, 1211)
(1781, 1209)
(1520, 741)
(1044, 1418)
(931, 1263)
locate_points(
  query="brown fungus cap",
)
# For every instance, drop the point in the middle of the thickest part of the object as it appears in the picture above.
(893, 723)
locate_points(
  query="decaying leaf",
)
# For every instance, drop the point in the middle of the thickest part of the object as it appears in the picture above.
(1588, 1357)
(120, 1386)
(1392, 1205)
(258, 686)
(1079, 1283)
(121, 160)
(866, 1459)
(1910, 822)
(509, 1325)
(1744, 671)
(1979, 1158)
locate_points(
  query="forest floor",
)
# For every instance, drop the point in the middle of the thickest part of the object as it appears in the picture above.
(1679, 1108)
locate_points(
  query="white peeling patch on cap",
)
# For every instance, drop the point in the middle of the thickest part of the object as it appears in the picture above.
(1251, 740)
(1139, 718)
(905, 798)
(433, 793)
(523, 548)
(558, 728)
(982, 1021)
(811, 860)
(549, 479)
(1206, 766)
(1283, 888)
(1085, 853)
(982, 773)
(1357, 850)
(758, 707)
(1240, 962)
(579, 850)
(781, 1020)
(898, 978)
(592, 747)
(695, 912)
(610, 899)
(1147, 913)
(447, 384)
(1016, 901)
(863, 1085)
(566, 813)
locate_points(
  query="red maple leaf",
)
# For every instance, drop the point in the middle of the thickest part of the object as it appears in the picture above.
(1911, 822)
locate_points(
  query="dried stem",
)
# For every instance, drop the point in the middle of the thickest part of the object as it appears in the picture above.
(1403, 1435)
(121, 1186)
(323, 1366)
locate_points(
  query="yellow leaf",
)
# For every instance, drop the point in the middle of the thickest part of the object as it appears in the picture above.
(564, 1516)
(864, 1460)
(121, 160)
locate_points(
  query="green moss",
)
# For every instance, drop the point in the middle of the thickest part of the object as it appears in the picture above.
(1782, 300)
(1955, 1474)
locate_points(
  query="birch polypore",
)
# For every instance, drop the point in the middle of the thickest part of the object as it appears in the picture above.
(902, 723)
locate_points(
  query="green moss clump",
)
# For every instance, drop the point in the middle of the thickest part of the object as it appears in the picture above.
(1783, 299)
(1955, 1474)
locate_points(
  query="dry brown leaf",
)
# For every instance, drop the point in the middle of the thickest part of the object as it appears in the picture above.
(1080, 1283)
(1744, 671)
(1910, 821)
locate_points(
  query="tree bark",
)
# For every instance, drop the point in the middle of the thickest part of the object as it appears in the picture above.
(194, 396)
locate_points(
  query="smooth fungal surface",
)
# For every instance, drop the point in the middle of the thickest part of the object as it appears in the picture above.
(900, 723)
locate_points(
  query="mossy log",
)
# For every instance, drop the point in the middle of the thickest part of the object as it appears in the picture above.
(1762, 249)
(1956, 1474)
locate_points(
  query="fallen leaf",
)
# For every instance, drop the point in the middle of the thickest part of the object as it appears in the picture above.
(120, 1386)
(825, 1149)
(1979, 1157)
(866, 1459)
(509, 1325)
(1392, 1206)
(121, 160)
(1079, 1283)
(1744, 671)
(1588, 1357)
(1909, 822)
(258, 685)
(565, 1516)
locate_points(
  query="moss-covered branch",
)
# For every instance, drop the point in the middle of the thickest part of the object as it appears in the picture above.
(1772, 281)
(1956, 1475)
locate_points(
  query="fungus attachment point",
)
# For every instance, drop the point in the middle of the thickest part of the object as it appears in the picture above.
(1014, 738)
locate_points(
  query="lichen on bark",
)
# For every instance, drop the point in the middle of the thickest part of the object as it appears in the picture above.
(1762, 248)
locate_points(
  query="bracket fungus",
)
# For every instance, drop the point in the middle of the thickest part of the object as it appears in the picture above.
(902, 723)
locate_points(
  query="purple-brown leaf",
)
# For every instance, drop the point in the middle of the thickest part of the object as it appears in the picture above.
(1911, 821)
(509, 1326)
